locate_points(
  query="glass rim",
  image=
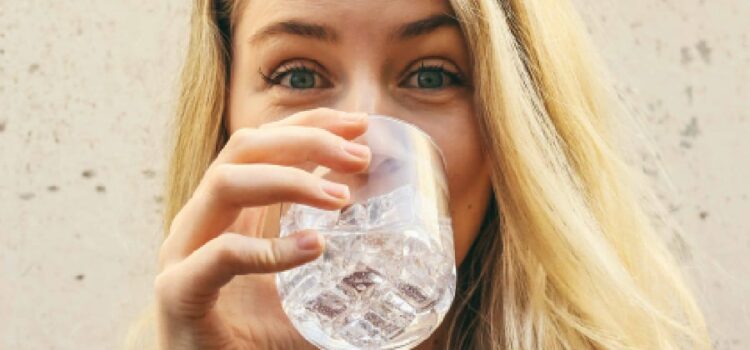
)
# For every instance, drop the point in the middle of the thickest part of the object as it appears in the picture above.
(414, 128)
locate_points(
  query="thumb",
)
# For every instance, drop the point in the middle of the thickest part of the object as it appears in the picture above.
(214, 264)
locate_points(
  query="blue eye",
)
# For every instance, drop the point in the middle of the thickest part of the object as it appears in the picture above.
(429, 79)
(432, 78)
(301, 79)
(297, 77)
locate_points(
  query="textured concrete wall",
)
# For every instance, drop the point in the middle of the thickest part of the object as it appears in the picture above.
(86, 88)
(685, 66)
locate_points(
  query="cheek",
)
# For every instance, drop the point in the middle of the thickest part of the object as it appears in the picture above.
(468, 180)
(245, 107)
(468, 208)
(247, 110)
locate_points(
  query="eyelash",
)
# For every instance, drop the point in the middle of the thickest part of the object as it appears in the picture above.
(274, 79)
(456, 79)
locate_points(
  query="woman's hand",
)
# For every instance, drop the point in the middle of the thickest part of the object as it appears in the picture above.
(254, 170)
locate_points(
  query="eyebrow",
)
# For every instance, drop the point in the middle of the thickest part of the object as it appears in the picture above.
(325, 33)
(426, 25)
(297, 28)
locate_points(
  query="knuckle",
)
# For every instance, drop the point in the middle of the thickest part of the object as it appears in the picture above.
(276, 251)
(164, 286)
(297, 180)
(228, 251)
(323, 139)
(323, 134)
(242, 137)
(222, 246)
(267, 257)
(221, 178)
(290, 182)
(262, 256)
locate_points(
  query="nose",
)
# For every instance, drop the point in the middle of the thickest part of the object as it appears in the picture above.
(365, 92)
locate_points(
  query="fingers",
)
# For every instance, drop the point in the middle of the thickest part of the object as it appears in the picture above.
(345, 124)
(250, 171)
(234, 186)
(227, 188)
(196, 280)
(292, 145)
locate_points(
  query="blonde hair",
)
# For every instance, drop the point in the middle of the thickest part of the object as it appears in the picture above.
(567, 257)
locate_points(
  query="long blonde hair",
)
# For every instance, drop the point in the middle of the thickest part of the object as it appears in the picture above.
(567, 258)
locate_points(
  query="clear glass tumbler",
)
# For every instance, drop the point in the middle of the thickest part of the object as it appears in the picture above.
(387, 276)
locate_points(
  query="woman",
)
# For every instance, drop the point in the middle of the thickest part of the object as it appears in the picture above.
(554, 249)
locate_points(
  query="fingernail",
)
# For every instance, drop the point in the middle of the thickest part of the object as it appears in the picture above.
(335, 190)
(354, 117)
(308, 240)
(355, 149)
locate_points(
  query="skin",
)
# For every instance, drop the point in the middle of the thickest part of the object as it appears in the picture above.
(216, 290)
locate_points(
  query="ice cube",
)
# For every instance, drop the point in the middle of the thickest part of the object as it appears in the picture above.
(362, 280)
(360, 333)
(353, 216)
(307, 217)
(395, 313)
(392, 208)
(327, 305)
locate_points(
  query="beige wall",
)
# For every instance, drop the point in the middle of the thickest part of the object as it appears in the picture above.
(86, 88)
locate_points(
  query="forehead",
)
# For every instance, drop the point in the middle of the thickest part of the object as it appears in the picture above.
(346, 17)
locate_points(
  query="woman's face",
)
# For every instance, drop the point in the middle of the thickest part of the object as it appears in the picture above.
(406, 59)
